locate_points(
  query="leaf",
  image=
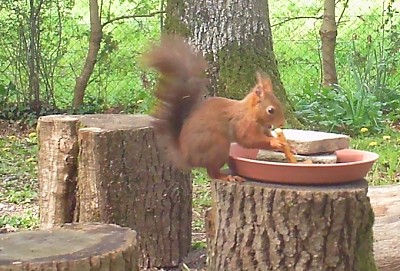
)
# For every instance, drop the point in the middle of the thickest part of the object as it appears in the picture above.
(3, 91)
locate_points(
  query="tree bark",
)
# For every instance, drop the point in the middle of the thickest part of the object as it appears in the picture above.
(96, 34)
(235, 37)
(260, 226)
(57, 169)
(328, 33)
(74, 247)
(34, 85)
(124, 178)
(141, 189)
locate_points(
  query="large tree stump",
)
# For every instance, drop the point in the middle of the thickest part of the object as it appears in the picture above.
(74, 247)
(123, 178)
(260, 226)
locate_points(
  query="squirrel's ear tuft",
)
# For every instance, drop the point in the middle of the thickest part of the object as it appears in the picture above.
(263, 85)
(267, 84)
(264, 80)
(259, 78)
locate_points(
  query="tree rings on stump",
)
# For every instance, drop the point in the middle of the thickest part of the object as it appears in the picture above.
(74, 247)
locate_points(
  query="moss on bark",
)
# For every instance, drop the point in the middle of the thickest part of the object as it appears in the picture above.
(237, 67)
(364, 256)
(173, 21)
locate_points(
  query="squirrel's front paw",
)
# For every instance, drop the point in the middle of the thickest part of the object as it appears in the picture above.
(277, 145)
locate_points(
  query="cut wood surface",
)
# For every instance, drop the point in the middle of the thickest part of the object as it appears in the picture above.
(385, 201)
(261, 226)
(124, 178)
(74, 247)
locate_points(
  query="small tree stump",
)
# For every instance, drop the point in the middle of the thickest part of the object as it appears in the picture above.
(57, 169)
(74, 247)
(123, 178)
(260, 226)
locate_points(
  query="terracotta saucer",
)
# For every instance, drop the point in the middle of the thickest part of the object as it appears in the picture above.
(352, 165)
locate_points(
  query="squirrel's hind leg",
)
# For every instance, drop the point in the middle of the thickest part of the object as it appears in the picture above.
(217, 174)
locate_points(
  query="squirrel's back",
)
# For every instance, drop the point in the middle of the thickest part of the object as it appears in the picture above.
(181, 87)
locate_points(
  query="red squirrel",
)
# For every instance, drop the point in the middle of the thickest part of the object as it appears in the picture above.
(199, 131)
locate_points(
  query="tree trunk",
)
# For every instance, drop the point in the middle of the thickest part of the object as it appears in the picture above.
(328, 33)
(74, 247)
(96, 34)
(123, 178)
(235, 37)
(34, 86)
(261, 226)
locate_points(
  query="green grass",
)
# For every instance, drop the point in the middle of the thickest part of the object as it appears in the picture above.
(201, 199)
(18, 181)
(28, 220)
(18, 161)
(387, 169)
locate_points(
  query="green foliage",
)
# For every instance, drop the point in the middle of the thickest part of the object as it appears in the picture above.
(363, 100)
(18, 175)
(201, 179)
(26, 221)
(199, 245)
(201, 198)
(18, 178)
(25, 195)
(118, 78)
(31, 48)
(367, 56)
(387, 169)
(18, 157)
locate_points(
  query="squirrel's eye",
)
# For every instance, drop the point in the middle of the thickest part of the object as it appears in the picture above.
(270, 110)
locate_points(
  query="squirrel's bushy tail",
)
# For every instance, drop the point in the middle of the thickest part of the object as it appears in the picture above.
(181, 86)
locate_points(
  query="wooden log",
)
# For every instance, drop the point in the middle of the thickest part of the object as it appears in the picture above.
(57, 169)
(131, 184)
(260, 226)
(125, 178)
(74, 247)
(385, 201)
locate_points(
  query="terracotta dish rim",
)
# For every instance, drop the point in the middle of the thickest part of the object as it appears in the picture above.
(367, 157)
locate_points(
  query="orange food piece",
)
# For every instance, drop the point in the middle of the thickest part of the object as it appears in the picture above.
(287, 150)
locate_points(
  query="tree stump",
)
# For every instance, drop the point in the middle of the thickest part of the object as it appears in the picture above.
(385, 201)
(74, 247)
(261, 226)
(57, 169)
(123, 177)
